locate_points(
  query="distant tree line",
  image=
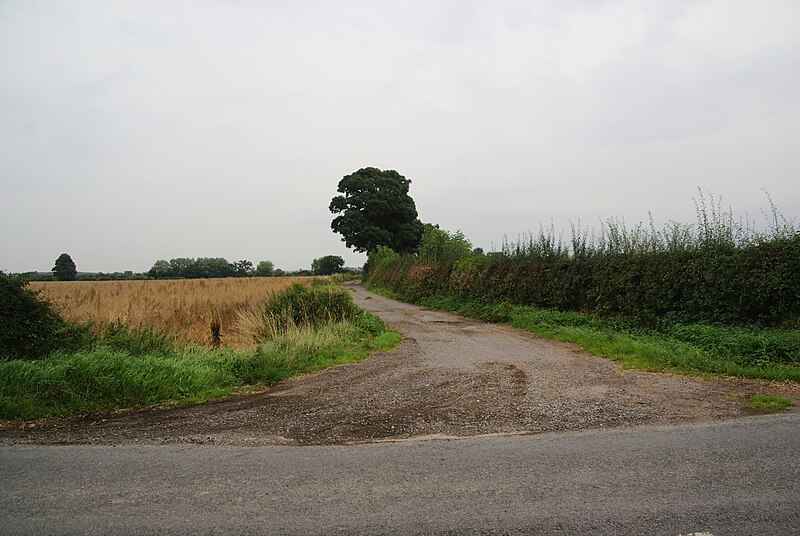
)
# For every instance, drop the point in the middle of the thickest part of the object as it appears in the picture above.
(209, 267)
(189, 268)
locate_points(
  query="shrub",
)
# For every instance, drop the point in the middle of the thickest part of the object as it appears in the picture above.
(440, 245)
(307, 306)
(29, 327)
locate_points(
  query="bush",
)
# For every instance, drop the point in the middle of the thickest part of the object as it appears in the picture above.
(302, 306)
(443, 246)
(29, 327)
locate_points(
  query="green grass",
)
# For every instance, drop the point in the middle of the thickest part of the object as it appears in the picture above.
(697, 349)
(724, 350)
(767, 402)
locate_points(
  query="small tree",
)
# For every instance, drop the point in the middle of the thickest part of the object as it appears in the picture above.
(330, 264)
(64, 269)
(265, 269)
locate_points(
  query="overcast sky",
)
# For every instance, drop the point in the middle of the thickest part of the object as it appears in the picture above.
(132, 131)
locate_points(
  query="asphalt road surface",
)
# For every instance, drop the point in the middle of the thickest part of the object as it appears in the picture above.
(731, 477)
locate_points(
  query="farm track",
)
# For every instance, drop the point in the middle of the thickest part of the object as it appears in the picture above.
(451, 377)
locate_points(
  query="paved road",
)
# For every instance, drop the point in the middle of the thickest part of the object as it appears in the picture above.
(723, 478)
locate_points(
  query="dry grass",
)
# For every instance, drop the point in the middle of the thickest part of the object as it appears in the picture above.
(185, 307)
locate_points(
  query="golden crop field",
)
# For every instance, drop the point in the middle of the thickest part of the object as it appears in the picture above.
(183, 306)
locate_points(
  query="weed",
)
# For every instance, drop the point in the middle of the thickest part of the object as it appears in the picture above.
(769, 402)
(216, 328)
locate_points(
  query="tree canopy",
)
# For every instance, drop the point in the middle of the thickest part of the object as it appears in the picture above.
(188, 268)
(65, 269)
(243, 268)
(327, 265)
(376, 210)
(265, 268)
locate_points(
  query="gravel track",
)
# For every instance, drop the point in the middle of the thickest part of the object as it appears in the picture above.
(450, 377)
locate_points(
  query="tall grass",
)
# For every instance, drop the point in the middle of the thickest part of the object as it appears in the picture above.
(716, 227)
(301, 306)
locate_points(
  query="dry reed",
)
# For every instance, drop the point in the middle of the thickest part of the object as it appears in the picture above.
(186, 307)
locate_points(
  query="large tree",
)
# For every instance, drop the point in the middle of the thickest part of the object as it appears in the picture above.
(376, 210)
(64, 269)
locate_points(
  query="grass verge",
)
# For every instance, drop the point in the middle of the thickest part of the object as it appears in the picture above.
(108, 378)
(695, 349)
(767, 402)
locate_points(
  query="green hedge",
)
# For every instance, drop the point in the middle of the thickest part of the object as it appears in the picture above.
(756, 283)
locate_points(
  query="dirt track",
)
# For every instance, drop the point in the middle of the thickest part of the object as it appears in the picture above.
(450, 377)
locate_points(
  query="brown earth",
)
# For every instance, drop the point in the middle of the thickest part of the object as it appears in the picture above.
(451, 377)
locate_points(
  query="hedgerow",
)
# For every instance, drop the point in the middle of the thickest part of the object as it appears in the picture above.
(716, 271)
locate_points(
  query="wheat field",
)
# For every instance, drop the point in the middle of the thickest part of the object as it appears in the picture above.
(185, 307)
